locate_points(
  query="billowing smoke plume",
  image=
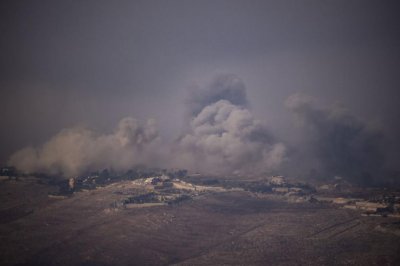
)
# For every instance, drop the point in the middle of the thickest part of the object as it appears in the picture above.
(222, 87)
(77, 150)
(224, 137)
(342, 144)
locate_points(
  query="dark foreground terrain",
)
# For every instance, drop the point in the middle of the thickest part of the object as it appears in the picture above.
(229, 227)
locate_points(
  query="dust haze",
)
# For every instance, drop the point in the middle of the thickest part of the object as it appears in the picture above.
(212, 132)
(216, 88)
(223, 136)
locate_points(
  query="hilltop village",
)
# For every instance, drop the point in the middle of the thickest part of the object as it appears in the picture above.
(157, 187)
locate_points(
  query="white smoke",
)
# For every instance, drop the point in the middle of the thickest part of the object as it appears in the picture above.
(224, 137)
(77, 150)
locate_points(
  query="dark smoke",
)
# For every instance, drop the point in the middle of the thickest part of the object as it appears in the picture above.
(343, 145)
(222, 87)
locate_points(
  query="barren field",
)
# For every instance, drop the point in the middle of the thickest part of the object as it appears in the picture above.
(212, 228)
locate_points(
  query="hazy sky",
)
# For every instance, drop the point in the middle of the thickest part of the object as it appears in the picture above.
(94, 62)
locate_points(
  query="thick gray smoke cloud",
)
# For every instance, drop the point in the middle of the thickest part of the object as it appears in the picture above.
(342, 144)
(222, 87)
(224, 137)
(77, 150)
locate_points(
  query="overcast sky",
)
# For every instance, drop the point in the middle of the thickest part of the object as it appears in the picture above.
(92, 63)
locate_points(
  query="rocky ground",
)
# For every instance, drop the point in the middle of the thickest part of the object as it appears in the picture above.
(211, 225)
